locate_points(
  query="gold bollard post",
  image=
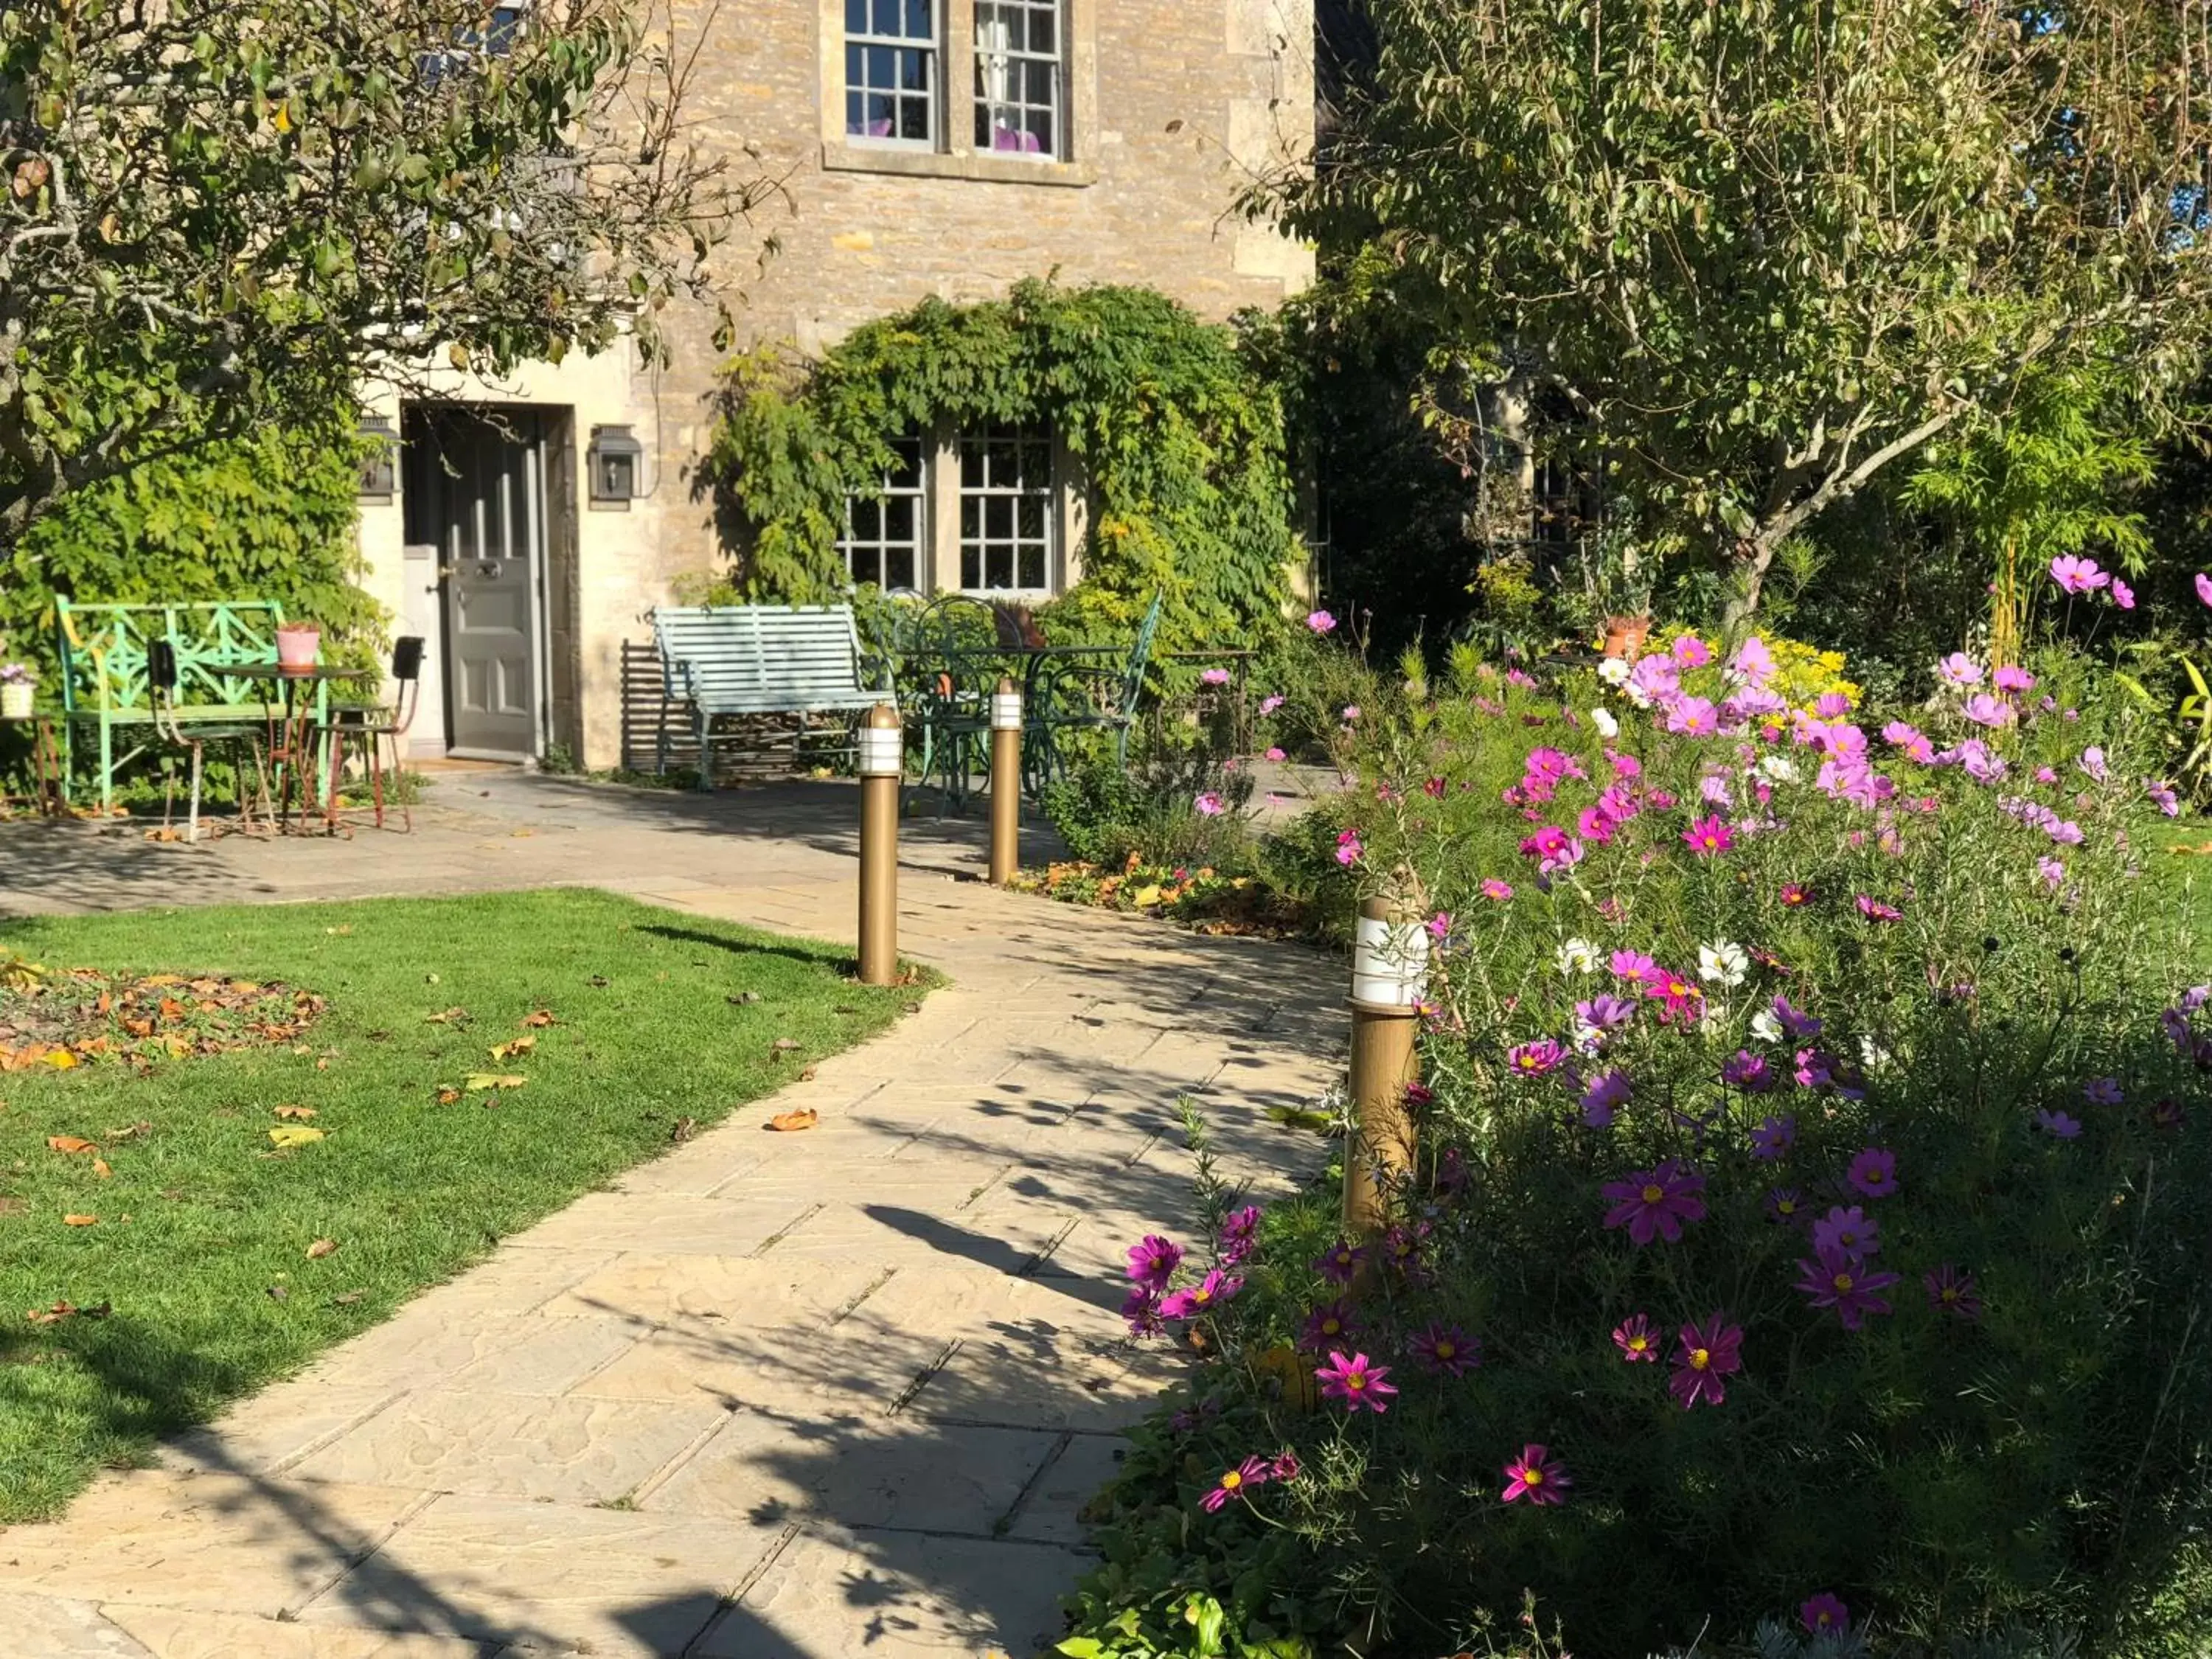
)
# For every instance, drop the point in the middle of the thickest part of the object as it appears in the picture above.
(1389, 972)
(1006, 784)
(882, 763)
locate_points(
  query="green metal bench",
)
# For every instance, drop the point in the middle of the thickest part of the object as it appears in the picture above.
(107, 705)
(726, 661)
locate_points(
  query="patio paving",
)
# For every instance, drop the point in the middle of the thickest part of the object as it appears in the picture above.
(774, 1396)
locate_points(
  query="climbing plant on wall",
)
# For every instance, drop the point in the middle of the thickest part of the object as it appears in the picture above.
(1180, 438)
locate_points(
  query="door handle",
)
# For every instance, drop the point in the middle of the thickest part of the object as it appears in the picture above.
(488, 568)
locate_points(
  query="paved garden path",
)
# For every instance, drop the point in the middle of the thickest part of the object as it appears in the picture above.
(830, 1395)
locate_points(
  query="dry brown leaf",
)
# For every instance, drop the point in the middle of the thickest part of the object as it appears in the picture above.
(521, 1045)
(684, 1129)
(130, 1132)
(71, 1144)
(791, 1122)
(807, 1075)
(786, 1045)
(301, 1112)
(80, 1221)
(539, 1019)
(450, 1017)
(321, 1248)
(100, 1167)
(447, 1097)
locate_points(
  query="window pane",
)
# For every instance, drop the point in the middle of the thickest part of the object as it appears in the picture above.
(998, 517)
(1030, 526)
(971, 567)
(1032, 565)
(999, 566)
(887, 19)
(919, 24)
(856, 17)
(971, 517)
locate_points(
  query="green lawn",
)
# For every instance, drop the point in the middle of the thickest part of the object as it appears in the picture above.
(203, 1226)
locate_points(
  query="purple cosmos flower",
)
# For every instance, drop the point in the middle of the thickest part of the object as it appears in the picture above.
(2077, 575)
(1537, 1476)
(1874, 1172)
(1604, 1097)
(1953, 1292)
(2052, 872)
(1535, 1059)
(1751, 1073)
(1321, 621)
(1445, 1350)
(1794, 1022)
(1636, 1340)
(1141, 1308)
(1847, 1232)
(1497, 890)
(2093, 763)
(1959, 669)
(1605, 1011)
(2059, 1125)
(1209, 805)
(2014, 682)
(1984, 709)
(1773, 1138)
(1201, 1298)
(2168, 1114)
(1875, 910)
(1285, 1468)
(1235, 1483)
(1339, 1261)
(2163, 793)
(1655, 1203)
(1240, 1232)
(1708, 836)
(1825, 1615)
(1152, 1261)
(1360, 1383)
(1785, 1205)
(1702, 1357)
(2102, 1091)
(1329, 1326)
(2204, 587)
(1846, 1283)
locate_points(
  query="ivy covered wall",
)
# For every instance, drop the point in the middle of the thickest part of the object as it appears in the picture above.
(1179, 433)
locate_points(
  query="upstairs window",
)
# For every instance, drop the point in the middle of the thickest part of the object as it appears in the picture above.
(884, 537)
(1018, 77)
(1007, 501)
(890, 71)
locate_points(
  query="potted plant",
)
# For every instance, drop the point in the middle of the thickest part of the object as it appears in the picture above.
(18, 686)
(297, 646)
(1617, 579)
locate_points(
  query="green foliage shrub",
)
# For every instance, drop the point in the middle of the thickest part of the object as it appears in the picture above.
(1814, 979)
(1172, 807)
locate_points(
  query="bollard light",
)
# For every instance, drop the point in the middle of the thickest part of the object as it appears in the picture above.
(881, 763)
(1006, 784)
(1389, 977)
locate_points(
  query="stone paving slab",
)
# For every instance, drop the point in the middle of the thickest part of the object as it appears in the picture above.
(816, 1396)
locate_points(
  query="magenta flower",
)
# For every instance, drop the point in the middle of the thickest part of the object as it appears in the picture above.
(1751, 1073)
(1240, 1233)
(1847, 1232)
(1636, 1340)
(1446, 1350)
(1605, 1011)
(1349, 847)
(2168, 1114)
(1401, 1248)
(1152, 1261)
(2077, 575)
(1959, 669)
(1694, 717)
(1209, 805)
(1213, 676)
(2204, 587)
(1357, 1382)
(1497, 890)
(1329, 1326)
(1537, 1476)
(1439, 926)
(1984, 709)
(1815, 1069)
(1846, 1283)
(1201, 1298)
(1709, 836)
(2102, 1091)
(1824, 1615)
(2058, 1125)
(1796, 894)
(1339, 1261)
(1235, 1483)
(1702, 1357)
(1655, 1203)
(1785, 1205)
(1285, 1468)
(2013, 681)
(1796, 1023)
(1274, 753)
(1535, 1059)
(1351, 713)
(1773, 1138)
(1874, 1172)
(1691, 652)
(1633, 966)
(1875, 910)
(1321, 621)
(1953, 1292)
(1141, 1308)
(1604, 1097)
(1268, 705)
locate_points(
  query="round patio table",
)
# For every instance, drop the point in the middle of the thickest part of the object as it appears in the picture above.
(290, 735)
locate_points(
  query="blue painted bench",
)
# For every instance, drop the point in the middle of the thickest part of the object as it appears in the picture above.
(727, 662)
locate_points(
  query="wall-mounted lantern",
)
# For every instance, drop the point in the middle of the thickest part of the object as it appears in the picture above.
(616, 459)
(379, 459)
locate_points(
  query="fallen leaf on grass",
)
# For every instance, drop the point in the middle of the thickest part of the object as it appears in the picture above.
(450, 1017)
(61, 1311)
(289, 1138)
(1296, 1117)
(785, 1123)
(785, 1045)
(301, 1112)
(321, 1248)
(807, 1075)
(684, 1129)
(521, 1045)
(100, 1168)
(339, 932)
(479, 1080)
(447, 1093)
(60, 1059)
(539, 1019)
(347, 1298)
(13, 1206)
(80, 1221)
(71, 1144)
(743, 999)
(130, 1132)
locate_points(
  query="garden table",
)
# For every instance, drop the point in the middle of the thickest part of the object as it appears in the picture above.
(953, 701)
(291, 739)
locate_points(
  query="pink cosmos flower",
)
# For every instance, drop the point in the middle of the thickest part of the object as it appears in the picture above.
(1824, 1614)
(1339, 1261)
(1708, 836)
(1537, 1476)
(1604, 1097)
(1141, 1308)
(1439, 926)
(1680, 996)
(1636, 1340)
(1795, 893)
(1209, 805)
(1445, 1350)
(1875, 910)
(1497, 890)
(1274, 752)
(2204, 587)
(1773, 1138)
(2076, 574)
(1750, 1072)
(1848, 1231)
(1329, 1326)
(1201, 1298)
(1815, 1069)
(2102, 1091)
(1351, 713)
(1269, 704)
(1694, 717)
(1360, 1383)
(1702, 1357)
(1213, 676)
(1953, 1292)
(1633, 966)
(1152, 1260)
(1285, 1468)
(1237, 1483)
(1909, 738)
(1655, 1203)
(2052, 872)
(1846, 1283)
(1594, 826)
(1349, 847)
(1321, 621)
(1535, 1059)
(1984, 709)
(1959, 669)
(1240, 1234)
(1874, 1172)
(1754, 661)
(1691, 652)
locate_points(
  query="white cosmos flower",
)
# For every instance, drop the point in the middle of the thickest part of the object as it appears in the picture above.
(1765, 1027)
(1872, 1054)
(1637, 695)
(1588, 1039)
(1607, 727)
(1722, 963)
(1778, 768)
(1577, 955)
(1614, 671)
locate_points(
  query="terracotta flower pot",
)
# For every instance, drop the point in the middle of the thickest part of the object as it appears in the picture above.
(297, 644)
(1625, 636)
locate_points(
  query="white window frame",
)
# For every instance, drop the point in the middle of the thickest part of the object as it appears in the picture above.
(880, 546)
(930, 48)
(1044, 492)
(997, 58)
